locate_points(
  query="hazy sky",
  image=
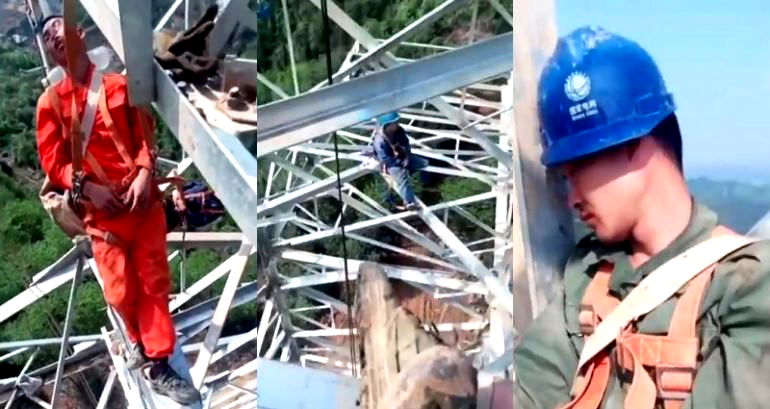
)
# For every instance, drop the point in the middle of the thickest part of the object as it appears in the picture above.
(715, 57)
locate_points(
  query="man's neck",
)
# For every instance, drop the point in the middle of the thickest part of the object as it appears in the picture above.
(665, 213)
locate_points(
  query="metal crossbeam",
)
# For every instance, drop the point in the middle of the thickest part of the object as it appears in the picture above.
(423, 22)
(296, 120)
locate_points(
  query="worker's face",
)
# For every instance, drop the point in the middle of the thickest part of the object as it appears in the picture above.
(53, 40)
(605, 190)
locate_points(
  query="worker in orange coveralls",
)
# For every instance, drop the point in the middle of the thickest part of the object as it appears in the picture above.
(124, 215)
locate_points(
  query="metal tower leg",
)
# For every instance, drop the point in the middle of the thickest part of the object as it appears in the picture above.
(81, 245)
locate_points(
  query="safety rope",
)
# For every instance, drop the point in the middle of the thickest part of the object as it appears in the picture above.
(327, 40)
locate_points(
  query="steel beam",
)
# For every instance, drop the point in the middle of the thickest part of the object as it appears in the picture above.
(221, 158)
(383, 220)
(205, 310)
(136, 30)
(68, 322)
(502, 11)
(360, 35)
(238, 266)
(235, 15)
(542, 223)
(314, 189)
(104, 398)
(203, 283)
(169, 13)
(318, 296)
(48, 342)
(372, 210)
(417, 275)
(16, 384)
(105, 15)
(299, 119)
(203, 239)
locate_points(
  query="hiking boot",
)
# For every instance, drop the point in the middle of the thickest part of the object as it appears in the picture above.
(408, 207)
(412, 206)
(135, 358)
(165, 381)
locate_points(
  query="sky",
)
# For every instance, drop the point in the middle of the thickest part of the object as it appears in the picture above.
(715, 58)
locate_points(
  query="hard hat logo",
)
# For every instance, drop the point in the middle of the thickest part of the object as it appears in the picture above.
(577, 86)
(598, 90)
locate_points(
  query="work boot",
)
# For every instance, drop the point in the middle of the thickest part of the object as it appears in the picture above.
(135, 358)
(165, 381)
(408, 207)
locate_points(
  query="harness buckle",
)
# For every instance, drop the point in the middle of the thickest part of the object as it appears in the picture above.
(674, 382)
(588, 319)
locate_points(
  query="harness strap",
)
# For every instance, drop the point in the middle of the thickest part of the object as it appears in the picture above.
(672, 357)
(590, 387)
(104, 235)
(597, 303)
(114, 135)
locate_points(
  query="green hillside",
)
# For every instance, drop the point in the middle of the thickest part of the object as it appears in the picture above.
(739, 205)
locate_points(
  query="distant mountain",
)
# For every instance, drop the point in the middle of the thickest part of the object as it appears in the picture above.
(739, 205)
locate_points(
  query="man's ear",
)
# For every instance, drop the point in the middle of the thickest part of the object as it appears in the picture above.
(632, 148)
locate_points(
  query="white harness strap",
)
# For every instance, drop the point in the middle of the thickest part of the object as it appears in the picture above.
(658, 287)
(89, 114)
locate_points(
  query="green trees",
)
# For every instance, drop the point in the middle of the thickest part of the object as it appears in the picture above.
(381, 18)
(19, 90)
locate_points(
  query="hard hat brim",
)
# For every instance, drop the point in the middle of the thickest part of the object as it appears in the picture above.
(390, 121)
(584, 144)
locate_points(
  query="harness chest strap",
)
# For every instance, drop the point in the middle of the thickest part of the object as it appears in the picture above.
(673, 357)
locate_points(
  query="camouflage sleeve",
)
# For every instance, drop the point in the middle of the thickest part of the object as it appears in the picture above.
(736, 334)
(545, 361)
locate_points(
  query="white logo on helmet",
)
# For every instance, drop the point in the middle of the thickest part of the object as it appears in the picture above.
(577, 86)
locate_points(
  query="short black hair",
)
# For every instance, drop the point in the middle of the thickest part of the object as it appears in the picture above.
(392, 129)
(669, 136)
(48, 18)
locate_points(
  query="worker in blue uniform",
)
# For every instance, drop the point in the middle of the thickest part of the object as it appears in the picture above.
(392, 149)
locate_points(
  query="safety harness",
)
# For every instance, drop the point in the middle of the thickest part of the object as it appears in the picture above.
(663, 367)
(77, 135)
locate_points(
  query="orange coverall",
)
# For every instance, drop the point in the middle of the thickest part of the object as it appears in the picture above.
(136, 272)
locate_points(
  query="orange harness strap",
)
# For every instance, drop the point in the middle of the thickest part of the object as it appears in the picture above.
(672, 359)
(115, 136)
(596, 304)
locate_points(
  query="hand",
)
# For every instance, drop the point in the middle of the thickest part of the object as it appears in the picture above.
(138, 194)
(103, 198)
(179, 205)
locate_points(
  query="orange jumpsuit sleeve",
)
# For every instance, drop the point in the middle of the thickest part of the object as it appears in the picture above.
(53, 149)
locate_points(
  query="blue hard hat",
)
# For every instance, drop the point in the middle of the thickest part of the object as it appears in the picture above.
(385, 119)
(597, 91)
